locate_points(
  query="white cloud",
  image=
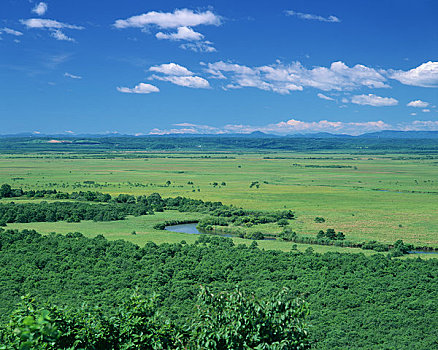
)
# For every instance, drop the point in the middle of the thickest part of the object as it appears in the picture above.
(183, 20)
(53, 26)
(72, 76)
(58, 35)
(373, 100)
(331, 19)
(420, 125)
(291, 126)
(426, 110)
(418, 104)
(47, 24)
(10, 31)
(141, 88)
(294, 126)
(283, 78)
(179, 75)
(414, 114)
(186, 81)
(171, 69)
(425, 75)
(183, 33)
(324, 97)
(40, 9)
(178, 18)
(199, 46)
(188, 128)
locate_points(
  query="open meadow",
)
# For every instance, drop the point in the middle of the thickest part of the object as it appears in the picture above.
(367, 197)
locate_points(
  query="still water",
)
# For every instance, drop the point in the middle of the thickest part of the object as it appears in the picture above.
(184, 228)
(191, 229)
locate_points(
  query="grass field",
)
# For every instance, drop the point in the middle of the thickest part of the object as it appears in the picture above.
(381, 197)
(144, 232)
(143, 226)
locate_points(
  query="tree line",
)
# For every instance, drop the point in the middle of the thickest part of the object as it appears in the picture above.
(331, 237)
(67, 211)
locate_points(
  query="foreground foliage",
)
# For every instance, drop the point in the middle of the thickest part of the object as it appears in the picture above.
(356, 302)
(224, 321)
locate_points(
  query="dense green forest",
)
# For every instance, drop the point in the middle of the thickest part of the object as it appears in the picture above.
(356, 302)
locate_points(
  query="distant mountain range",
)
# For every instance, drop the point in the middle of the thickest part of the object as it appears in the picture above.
(385, 134)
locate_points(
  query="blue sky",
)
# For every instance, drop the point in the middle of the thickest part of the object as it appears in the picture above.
(283, 67)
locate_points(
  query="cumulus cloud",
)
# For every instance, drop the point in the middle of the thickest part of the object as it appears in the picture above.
(176, 19)
(426, 110)
(283, 78)
(171, 69)
(178, 75)
(182, 20)
(374, 100)
(425, 75)
(182, 33)
(418, 104)
(10, 31)
(141, 88)
(324, 97)
(309, 16)
(186, 81)
(53, 26)
(40, 9)
(72, 76)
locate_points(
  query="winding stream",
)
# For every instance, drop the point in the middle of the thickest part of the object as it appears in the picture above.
(191, 229)
(184, 228)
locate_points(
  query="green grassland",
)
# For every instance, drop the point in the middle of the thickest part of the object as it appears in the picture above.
(144, 232)
(369, 197)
